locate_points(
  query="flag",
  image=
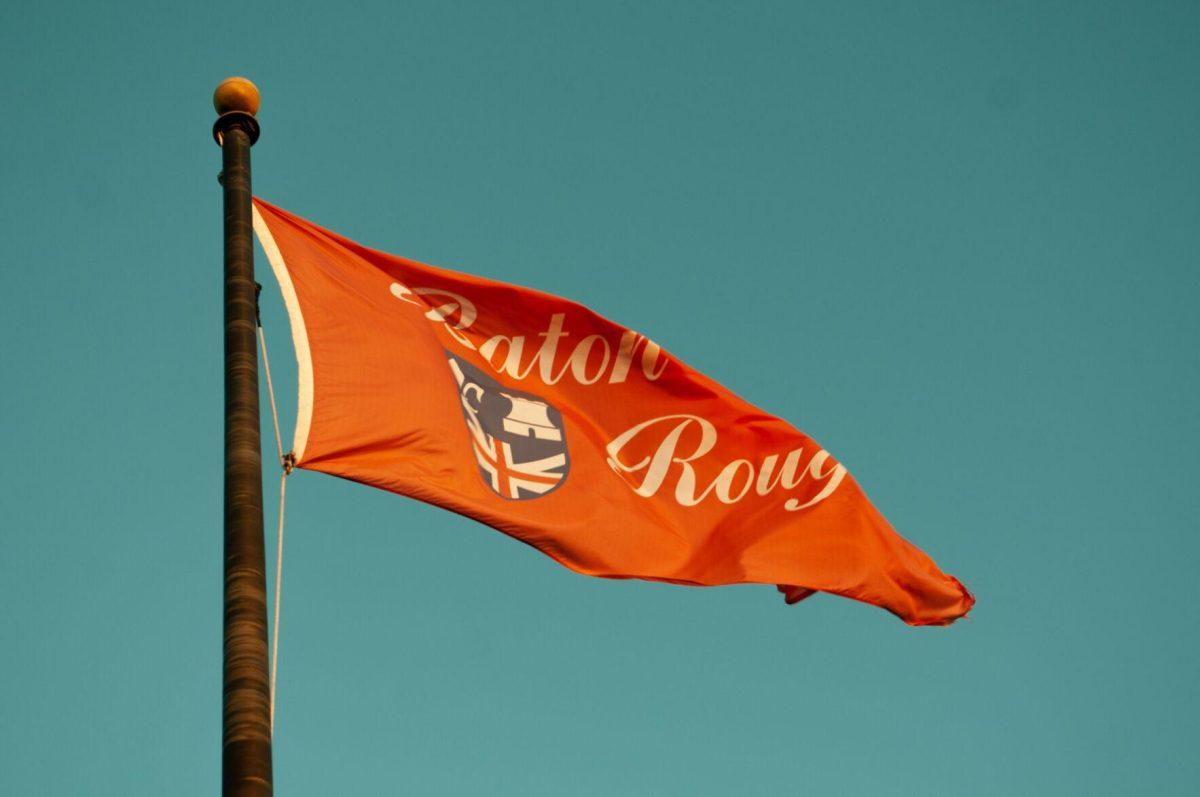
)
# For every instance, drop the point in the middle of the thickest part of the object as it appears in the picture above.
(580, 437)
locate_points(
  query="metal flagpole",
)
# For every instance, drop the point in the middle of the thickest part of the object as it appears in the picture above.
(246, 741)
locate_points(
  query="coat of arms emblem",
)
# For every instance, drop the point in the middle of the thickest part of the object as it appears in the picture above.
(517, 437)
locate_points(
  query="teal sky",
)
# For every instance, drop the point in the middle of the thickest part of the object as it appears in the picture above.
(955, 242)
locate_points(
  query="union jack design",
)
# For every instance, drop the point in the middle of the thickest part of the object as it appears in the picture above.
(517, 438)
(510, 478)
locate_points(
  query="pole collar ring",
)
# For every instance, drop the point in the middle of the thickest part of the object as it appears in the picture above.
(239, 119)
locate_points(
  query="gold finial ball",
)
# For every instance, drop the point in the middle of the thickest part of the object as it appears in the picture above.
(236, 94)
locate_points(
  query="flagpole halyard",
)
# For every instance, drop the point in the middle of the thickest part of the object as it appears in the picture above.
(246, 726)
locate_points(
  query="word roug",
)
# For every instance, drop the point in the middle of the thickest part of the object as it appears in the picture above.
(734, 481)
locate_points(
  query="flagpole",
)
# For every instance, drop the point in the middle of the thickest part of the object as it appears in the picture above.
(246, 735)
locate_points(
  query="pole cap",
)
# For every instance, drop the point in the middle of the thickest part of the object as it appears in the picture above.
(236, 94)
(236, 100)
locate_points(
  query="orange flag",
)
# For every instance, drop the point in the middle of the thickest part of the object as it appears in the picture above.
(536, 416)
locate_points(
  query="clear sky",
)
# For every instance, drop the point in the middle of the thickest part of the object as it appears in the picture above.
(955, 242)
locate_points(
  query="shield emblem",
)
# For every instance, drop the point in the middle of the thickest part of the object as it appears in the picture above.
(517, 438)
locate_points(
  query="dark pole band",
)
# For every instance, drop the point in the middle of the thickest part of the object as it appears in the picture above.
(235, 119)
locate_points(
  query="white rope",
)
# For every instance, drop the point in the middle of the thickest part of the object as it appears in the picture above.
(286, 462)
(278, 590)
(262, 342)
